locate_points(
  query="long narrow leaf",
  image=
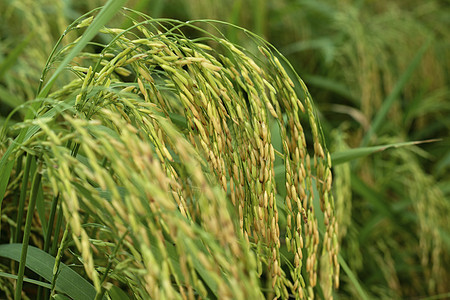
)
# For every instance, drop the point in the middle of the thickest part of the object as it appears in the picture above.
(353, 279)
(10, 99)
(108, 11)
(117, 294)
(389, 101)
(11, 59)
(36, 183)
(69, 282)
(32, 281)
(330, 85)
(352, 154)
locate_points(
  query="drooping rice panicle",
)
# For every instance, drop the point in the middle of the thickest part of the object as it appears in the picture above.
(170, 152)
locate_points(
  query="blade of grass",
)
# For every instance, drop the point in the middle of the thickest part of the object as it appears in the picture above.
(330, 85)
(234, 19)
(58, 226)
(32, 281)
(4, 121)
(23, 192)
(352, 154)
(394, 95)
(107, 12)
(436, 297)
(117, 294)
(156, 9)
(9, 98)
(40, 204)
(341, 157)
(27, 232)
(11, 59)
(362, 293)
(51, 220)
(60, 297)
(259, 15)
(69, 282)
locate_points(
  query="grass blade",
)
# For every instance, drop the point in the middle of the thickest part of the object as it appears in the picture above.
(117, 294)
(8, 98)
(352, 154)
(69, 282)
(330, 85)
(32, 281)
(436, 297)
(27, 232)
(23, 193)
(14, 54)
(389, 101)
(107, 12)
(362, 294)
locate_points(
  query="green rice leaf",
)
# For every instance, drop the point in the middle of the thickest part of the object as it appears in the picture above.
(108, 11)
(352, 154)
(32, 281)
(436, 297)
(117, 294)
(10, 60)
(353, 279)
(40, 208)
(330, 85)
(60, 297)
(68, 282)
(8, 98)
(389, 101)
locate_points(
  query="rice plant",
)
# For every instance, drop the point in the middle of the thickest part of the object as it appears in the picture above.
(167, 169)
(378, 72)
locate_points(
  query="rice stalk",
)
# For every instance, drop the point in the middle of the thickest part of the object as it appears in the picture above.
(164, 144)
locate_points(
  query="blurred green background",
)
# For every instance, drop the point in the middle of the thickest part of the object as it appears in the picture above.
(378, 72)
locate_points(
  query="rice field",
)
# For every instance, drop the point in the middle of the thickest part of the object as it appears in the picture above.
(224, 150)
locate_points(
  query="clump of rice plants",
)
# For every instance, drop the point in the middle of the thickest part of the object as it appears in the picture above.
(170, 169)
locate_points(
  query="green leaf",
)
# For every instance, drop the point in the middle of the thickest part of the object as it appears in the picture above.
(8, 98)
(330, 85)
(352, 154)
(437, 297)
(32, 281)
(60, 297)
(68, 282)
(179, 121)
(14, 54)
(389, 101)
(353, 279)
(117, 294)
(41, 209)
(107, 12)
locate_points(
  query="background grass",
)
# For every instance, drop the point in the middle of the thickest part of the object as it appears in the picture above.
(378, 72)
